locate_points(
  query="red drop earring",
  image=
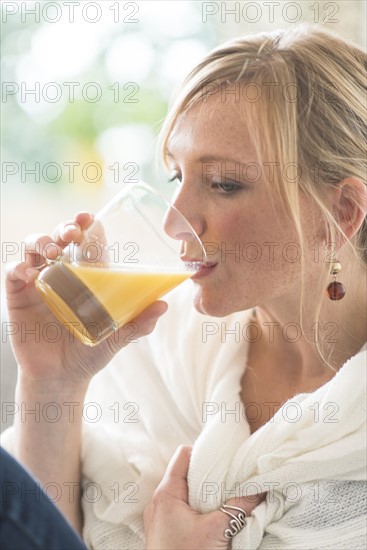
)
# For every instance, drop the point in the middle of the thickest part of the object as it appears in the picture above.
(335, 290)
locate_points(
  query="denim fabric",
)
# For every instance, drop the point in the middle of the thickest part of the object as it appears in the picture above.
(29, 520)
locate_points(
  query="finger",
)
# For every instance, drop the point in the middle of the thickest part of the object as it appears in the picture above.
(18, 272)
(151, 314)
(39, 247)
(66, 232)
(84, 219)
(97, 236)
(247, 503)
(221, 521)
(144, 323)
(17, 275)
(72, 230)
(95, 242)
(174, 481)
(178, 466)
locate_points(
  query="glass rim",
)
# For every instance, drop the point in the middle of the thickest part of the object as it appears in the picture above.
(140, 183)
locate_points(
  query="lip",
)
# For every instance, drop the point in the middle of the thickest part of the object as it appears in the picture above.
(204, 268)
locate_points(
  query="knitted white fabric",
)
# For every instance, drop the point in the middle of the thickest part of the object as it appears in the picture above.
(179, 386)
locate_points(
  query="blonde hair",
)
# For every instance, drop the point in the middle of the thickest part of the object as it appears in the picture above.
(316, 110)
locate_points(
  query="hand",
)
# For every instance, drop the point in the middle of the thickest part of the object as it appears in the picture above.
(170, 523)
(42, 356)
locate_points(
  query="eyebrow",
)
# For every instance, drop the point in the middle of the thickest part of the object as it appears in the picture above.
(212, 158)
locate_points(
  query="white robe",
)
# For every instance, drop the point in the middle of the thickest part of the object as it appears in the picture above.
(180, 385)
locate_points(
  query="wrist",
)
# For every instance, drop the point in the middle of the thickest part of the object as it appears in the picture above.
(46, 411)
(50, 387)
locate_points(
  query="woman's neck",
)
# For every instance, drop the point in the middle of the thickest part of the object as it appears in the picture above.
(340, 332)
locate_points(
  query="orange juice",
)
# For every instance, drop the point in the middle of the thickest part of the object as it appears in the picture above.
(91, 301)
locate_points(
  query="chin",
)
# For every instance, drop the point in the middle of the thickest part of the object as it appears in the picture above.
(215, 305)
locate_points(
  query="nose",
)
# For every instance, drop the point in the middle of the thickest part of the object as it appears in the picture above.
(184, 223)
(177, 226)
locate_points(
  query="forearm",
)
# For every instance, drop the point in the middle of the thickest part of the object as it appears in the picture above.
(48, 440)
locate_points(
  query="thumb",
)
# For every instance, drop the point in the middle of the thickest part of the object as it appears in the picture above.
(174, 481)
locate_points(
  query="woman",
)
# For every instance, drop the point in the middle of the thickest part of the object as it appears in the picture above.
(266, 141)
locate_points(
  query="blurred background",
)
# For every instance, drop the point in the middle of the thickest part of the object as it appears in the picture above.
(85, 87)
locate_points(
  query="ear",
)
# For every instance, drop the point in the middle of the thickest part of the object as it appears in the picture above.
(349, 199)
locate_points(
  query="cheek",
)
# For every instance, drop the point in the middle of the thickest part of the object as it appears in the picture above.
(258, 236)
(237, 226)
(268, 253)
(260, 244)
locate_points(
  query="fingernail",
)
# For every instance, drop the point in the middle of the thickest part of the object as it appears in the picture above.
(84, 213)
(69, 227)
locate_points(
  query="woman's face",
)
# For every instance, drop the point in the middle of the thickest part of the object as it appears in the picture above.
(250, 243)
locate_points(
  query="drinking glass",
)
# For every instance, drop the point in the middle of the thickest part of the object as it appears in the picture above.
(137, 249)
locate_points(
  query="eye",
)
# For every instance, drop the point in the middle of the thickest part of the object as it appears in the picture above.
(176, 176)
(226, 188)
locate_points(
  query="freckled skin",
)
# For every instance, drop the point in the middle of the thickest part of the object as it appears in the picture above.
(251, 212)
(246, 216)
